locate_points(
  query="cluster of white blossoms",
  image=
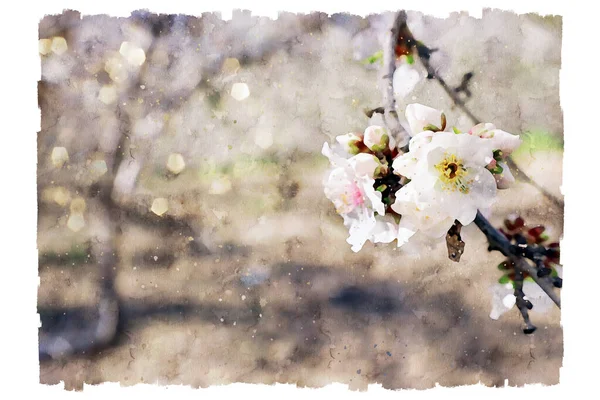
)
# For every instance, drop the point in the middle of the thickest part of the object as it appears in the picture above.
(385, 194)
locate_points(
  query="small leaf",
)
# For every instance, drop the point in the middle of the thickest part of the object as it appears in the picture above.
(410, 59)
(504, 280)
(503, 266)
(381, 188)
(443, 122)
(455, 129)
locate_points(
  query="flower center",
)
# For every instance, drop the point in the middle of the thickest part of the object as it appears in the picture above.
(453, 174)
(451, 170)
(350, 198)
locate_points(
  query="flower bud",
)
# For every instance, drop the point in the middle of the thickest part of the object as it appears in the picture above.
(376, 138)
(365, 164)
(514, 222)
(350, 142)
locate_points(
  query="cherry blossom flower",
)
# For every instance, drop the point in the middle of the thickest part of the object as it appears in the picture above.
(350, 187)
(449, 173)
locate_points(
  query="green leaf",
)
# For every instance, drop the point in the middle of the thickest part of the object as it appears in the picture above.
(410, 59)
(381, 188)
(503, 266)
(455, 129)
(504, 280)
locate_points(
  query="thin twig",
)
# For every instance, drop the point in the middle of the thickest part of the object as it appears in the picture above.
(424, 55)
(389, 61)
(523, 305)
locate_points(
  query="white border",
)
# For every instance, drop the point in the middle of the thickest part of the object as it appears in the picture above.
(20, 119)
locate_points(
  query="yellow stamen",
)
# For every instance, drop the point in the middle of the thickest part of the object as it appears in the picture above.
(453, 174)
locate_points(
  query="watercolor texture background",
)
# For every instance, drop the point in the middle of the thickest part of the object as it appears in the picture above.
(268, 290)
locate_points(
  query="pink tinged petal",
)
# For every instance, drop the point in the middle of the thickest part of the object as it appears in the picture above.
(481, 129)
(419, 116)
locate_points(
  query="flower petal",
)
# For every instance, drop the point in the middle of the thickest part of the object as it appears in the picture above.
(505, 179)
(419, 116)
(405, 79)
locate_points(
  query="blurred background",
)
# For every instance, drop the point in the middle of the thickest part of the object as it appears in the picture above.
(184, 237)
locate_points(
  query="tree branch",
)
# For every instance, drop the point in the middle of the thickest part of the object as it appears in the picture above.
(389, 62)
(523, 305)
(424, 55)
(499, 242)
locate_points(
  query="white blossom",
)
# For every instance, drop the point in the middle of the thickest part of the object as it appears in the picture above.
(449, 173)
(421, 211)
(406, 77)
(503, 141)
(354, 197)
